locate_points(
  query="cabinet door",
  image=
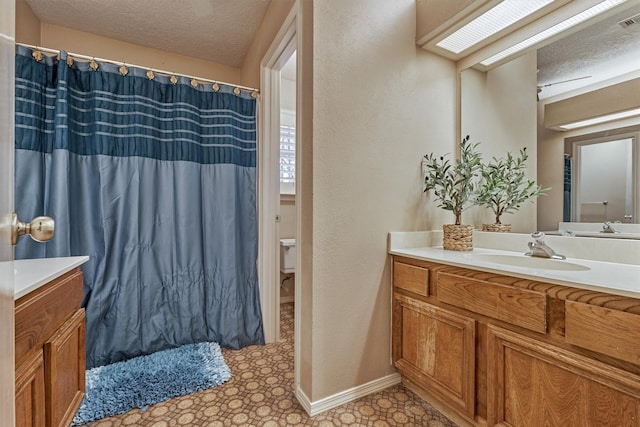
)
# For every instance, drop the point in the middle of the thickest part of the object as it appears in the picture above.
(64, 355)
(30, 391)
(535, 384)
(436, 349)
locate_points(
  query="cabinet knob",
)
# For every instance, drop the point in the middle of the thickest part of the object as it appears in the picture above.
(40, 229)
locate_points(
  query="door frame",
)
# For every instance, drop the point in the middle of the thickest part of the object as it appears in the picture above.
(281, 49)
(7, 127)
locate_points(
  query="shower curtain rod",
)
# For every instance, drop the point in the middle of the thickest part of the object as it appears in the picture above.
(155, 70)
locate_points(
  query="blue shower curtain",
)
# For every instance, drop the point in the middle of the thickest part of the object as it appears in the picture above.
(566, 204)
(156, 182)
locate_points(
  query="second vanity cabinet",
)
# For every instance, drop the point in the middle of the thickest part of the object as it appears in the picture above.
(491, 349)
(50, 353)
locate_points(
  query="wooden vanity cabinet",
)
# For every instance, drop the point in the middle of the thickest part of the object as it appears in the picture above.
(494, 350)
(50, 353)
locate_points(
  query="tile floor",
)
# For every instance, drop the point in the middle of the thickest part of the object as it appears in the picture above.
(261, 394)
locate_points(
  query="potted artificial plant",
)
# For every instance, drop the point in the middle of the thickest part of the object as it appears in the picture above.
(454, 187)
(503, 188)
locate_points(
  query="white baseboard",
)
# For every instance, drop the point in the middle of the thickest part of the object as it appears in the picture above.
(304, 400)
(286, 299)
(346, 396)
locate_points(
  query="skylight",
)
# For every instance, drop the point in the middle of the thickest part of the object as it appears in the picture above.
(489, 23)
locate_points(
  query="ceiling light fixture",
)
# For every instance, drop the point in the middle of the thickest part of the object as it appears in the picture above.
(552, 31)
(489, 23)
(601, 119)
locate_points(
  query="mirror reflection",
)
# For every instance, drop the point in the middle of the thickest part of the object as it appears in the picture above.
(602, 184)
(592, 169)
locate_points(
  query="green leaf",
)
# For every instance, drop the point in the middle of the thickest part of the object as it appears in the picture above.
(503, 187)
(453, 182)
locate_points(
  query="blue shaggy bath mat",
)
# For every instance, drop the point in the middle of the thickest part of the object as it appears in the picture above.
(145, 380)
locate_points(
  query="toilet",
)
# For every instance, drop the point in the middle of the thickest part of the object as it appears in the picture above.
(288, 255)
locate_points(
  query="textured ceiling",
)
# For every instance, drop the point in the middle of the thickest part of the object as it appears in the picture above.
(603, 51)
(216, 30)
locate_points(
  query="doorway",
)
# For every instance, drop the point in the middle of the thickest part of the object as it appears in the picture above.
(269, 193)
(287, 175)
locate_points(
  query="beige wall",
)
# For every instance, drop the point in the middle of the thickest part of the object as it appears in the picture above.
(379, 104)
(305, 197)
(56, 37)
(27, 24)
(498, 109)
(269, 27)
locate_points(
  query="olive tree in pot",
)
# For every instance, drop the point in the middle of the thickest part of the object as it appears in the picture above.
(504, 187)
(453, 185)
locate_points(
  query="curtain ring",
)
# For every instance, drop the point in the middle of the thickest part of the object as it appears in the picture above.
(150, 75)
(194, 83)
(173, 80)
(215, 87)
(236, 90)
(254, 94)
(37, 55)
(69, 61)
(93, 64)
(123, 70)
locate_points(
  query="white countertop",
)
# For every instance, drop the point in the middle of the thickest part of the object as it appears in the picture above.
(30, 274)
(608, 277)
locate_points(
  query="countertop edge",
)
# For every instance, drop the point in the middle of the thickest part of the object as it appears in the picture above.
(63, 266)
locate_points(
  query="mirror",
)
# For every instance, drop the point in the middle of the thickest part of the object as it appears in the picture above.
(504, 109)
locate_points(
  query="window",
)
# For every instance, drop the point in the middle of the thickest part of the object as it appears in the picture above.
(287, 152)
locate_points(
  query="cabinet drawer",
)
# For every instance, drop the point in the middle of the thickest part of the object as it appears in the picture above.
(39, 313)
(520, 307)
(610, 332)
(411, 278)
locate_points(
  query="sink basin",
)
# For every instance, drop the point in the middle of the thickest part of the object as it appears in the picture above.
(528, 262)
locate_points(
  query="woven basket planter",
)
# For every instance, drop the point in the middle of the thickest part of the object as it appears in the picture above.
(457, 237)
(497, 228)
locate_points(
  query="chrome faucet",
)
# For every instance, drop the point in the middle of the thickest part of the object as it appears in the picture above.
(607, 227)
(539, 248)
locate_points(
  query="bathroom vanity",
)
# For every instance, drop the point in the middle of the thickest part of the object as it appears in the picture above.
(490, 339)
(49, 341)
